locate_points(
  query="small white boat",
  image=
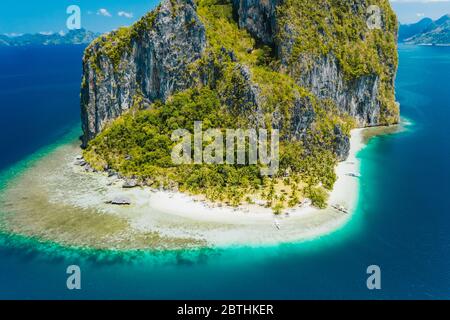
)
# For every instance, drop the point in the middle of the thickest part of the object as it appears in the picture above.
(340, 208)
(277, 224)
(355, 175)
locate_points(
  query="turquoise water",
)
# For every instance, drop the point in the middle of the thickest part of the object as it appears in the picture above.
(401, 223)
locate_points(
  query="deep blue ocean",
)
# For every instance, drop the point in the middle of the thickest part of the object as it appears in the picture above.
(402, 223)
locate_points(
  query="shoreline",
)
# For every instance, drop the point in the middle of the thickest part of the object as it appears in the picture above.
(344, 193)
(62, 203)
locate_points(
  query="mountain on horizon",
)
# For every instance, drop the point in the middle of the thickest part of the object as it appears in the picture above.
(80, 36)
(426, 32)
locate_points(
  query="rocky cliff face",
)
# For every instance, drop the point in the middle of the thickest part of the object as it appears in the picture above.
(323, 46)
(258, 17)
(272, 22)
(357, 97)
(149, 60)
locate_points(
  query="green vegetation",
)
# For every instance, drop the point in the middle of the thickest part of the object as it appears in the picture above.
(138, 143)
(318, 196)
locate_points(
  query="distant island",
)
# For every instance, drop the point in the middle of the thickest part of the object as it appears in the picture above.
(80, 36)
(426, 32)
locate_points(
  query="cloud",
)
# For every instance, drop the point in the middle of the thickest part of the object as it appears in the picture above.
(125, 14)
(103, 12)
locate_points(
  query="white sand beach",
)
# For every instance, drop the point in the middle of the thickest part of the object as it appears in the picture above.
(59, 201)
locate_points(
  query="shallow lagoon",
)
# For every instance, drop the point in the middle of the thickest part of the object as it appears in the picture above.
(401, 223)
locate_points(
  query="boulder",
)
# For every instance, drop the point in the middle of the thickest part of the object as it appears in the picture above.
(121, 201)
(130, 184)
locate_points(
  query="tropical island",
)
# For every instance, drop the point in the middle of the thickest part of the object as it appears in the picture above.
(80, 36)
(306, 69)
(426, 32)
(314, 71)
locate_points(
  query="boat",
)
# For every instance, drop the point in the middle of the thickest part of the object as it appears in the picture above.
(277, 224)
(355, 175)
(340, 208)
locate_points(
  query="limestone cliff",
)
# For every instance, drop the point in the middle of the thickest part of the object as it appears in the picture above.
(148, 59)
(312, 39)
(303, 59)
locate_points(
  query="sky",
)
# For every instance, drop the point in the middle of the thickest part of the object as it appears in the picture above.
(409, 11)
(46, 16)
(33, 16)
